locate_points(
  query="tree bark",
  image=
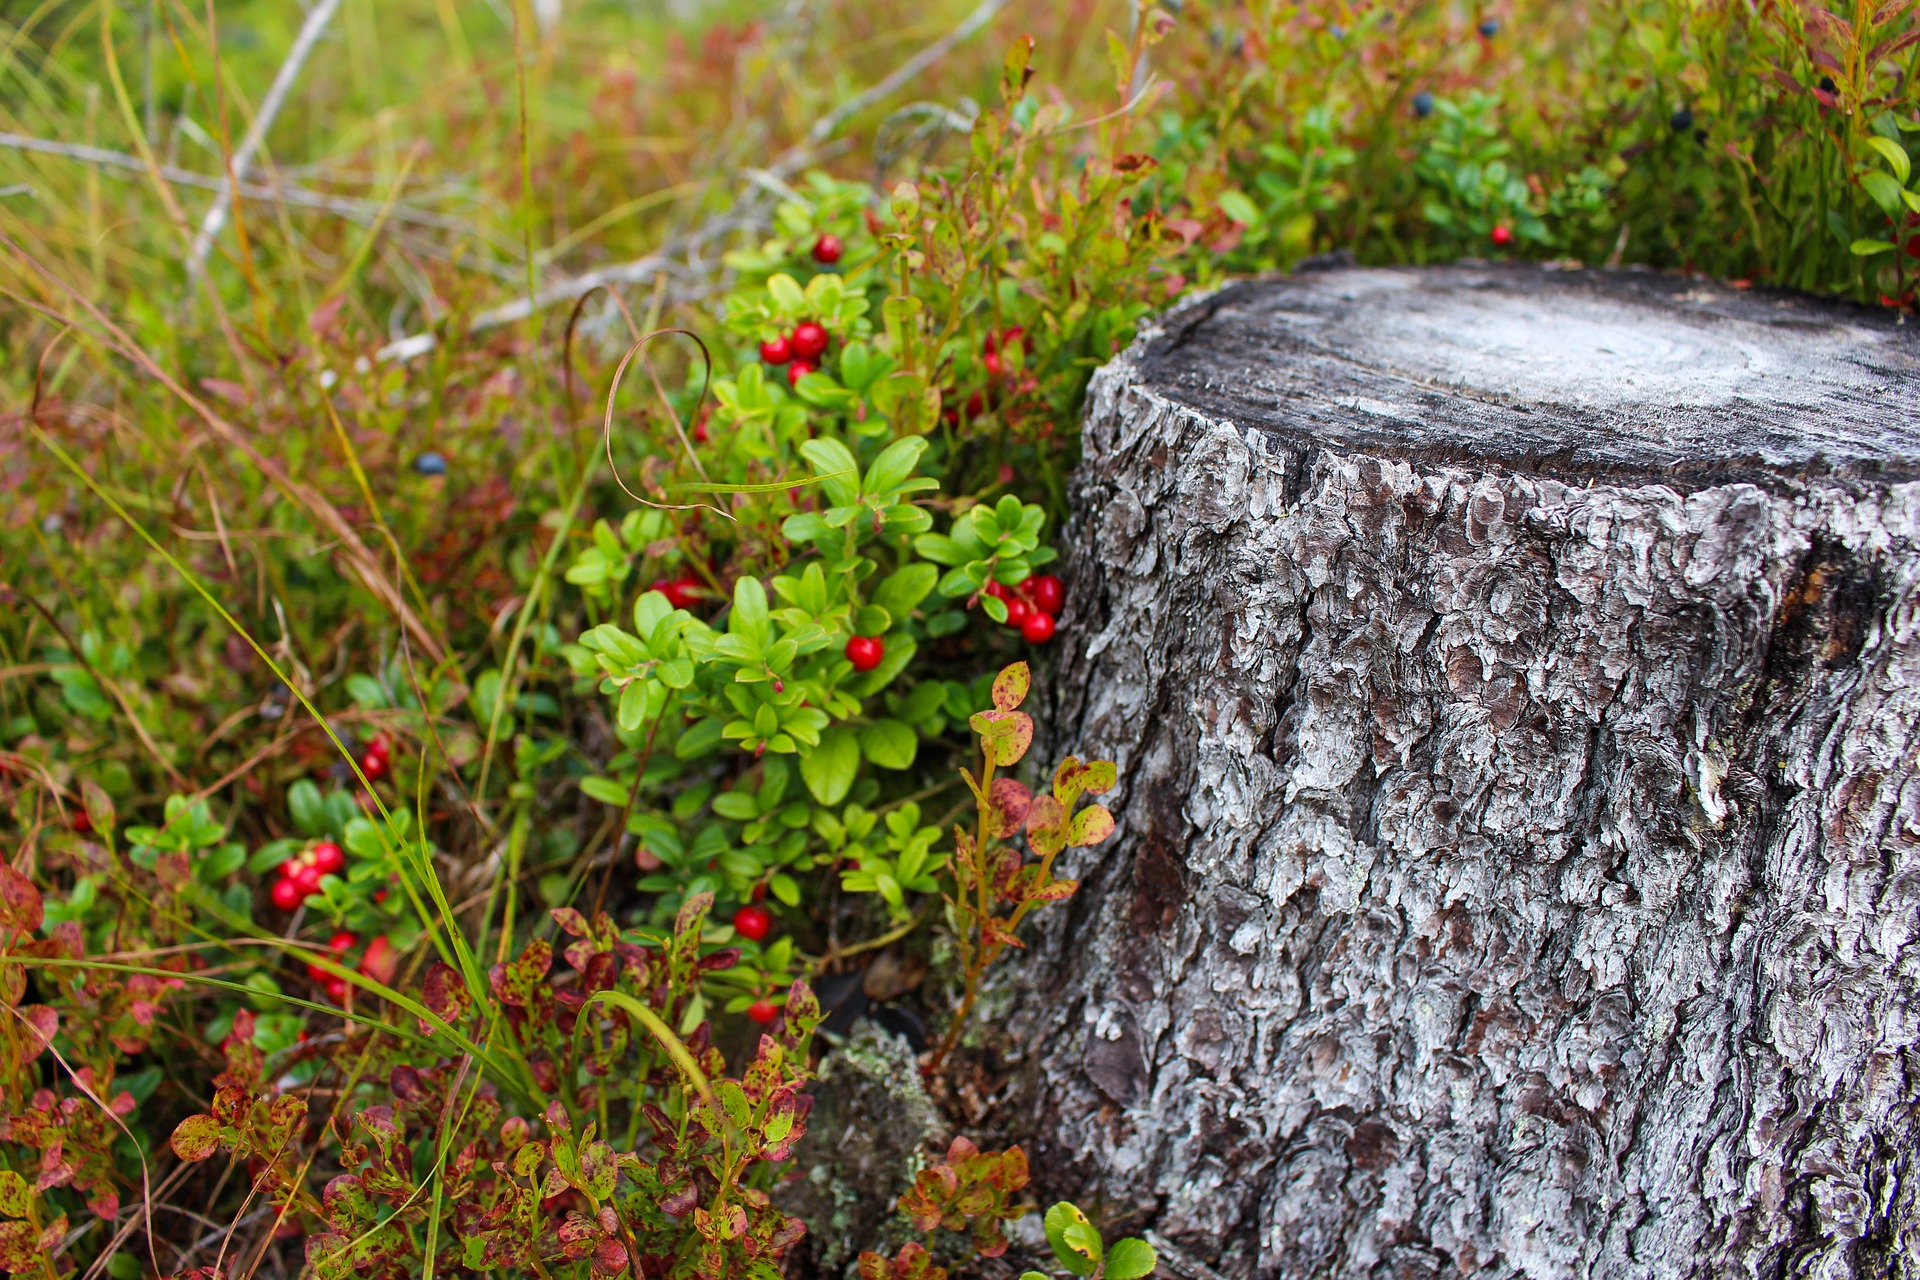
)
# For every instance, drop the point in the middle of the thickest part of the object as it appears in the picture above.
(1514, 678)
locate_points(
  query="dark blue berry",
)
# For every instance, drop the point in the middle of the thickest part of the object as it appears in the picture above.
(1423, 104)
(1682, 120)
(430, 464)
(1339, 32)
(1826, 82)
(1489, 27)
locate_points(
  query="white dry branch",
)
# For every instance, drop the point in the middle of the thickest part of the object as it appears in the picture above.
(242, 159)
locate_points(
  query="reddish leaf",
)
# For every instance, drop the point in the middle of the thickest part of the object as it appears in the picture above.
(20, 906)
(1046, 826)
(196, 1138)
(1010, 800)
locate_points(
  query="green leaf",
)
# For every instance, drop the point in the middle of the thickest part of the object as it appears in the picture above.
(737, 805)
(1237, 206)
(785, 888)
(872, 620)
(749, 618)
(939, 548)
(787, 294)
(366, 691)
(829, 768)
(890, 744)
(1072, 1253)
(1130, 1259)
(1884, 190)
(839, 473)
(1867, 248)
(306, 807)
(903, 589)
(1895, 155)
(895, 464)
(605, 790)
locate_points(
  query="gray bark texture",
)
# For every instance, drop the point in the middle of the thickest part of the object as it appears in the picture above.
(1514, 676)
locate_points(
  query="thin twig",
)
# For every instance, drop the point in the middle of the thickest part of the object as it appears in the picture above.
(364, 211)
(242, 159)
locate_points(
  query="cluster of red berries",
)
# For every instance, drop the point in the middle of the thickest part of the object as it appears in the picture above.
(300, 874)
(375, 761)
(799, 350)
(1033, 606)
(378, 963)
(682, 592)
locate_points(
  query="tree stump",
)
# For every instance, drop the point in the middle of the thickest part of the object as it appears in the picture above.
(1514, 677)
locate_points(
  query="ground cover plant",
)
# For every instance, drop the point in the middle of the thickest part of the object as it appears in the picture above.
(560, 571)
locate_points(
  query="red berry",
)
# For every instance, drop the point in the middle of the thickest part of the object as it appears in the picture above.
(754, 922)
(809, 340)
(337, 990)
(976, 405)
(827, 249)
(1018, 611)
(700, 433)
(1048, 593)
(994, 364)
(1913, 251)
(342, 941)
(1038, 629)
(306, 878)
(82, 824)
(995, 587)
(381, 960)
(1503, 235)
(682, 593)
(287, 895)
(798, 370)
(776, 350)
(1013, 334)
(374, 765)
(865, 652)
(762, 1011)
(760, 891)
(318, 974)
(328, 857)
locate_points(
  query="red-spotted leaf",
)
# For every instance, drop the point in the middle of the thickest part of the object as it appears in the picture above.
(1010, 800)
(1004, 735)
(16, 1197)
(1046, 826)
(1010, 686)
(609, 1258)
(196, 1138)
(1090, 826)
(20, 906)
